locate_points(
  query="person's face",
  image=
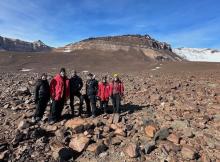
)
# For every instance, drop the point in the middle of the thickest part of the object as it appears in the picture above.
(89, 77)
(44, 77)
(104, 80)
(74, 73)
(62, 74)
(116, 78)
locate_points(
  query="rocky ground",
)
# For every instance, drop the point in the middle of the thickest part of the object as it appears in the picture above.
(171, 116)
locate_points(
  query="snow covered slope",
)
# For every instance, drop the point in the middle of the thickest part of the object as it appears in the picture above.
(198, 54)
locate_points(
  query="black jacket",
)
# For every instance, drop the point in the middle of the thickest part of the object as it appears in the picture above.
(91, 87)
(42, 90)
(76, 84)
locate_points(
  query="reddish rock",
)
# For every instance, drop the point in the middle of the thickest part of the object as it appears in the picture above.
(150, 131)
(55, 147)
(120, 132)
(77, 125)
(79, 143)
(188, 152)
(113, 126)
(205, 158)
(97, 148)
(131, 150)
(174, 138)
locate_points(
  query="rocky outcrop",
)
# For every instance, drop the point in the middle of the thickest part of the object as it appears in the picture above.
(150, 47)
(8, 44)
(120, 42)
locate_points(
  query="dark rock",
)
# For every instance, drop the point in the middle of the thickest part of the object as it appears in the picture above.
(149, 147)
(162, 134)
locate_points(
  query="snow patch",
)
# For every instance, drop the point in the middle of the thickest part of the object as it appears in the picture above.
(198, 54)
(25, 70)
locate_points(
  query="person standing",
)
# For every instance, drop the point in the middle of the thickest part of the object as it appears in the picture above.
(59, 89)
(117, 93)
(41, 97)
(76, 85)
(104, 94)
(91, 92)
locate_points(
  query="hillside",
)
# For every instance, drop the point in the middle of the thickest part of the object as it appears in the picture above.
(198, 54)
(151, 48)
(16, 45)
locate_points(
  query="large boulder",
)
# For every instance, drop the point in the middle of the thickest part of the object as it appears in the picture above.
(78, 125)
(132, 150)
(79, 143)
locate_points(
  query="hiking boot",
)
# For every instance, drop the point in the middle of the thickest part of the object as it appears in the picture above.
(52, 122)
(93, 116)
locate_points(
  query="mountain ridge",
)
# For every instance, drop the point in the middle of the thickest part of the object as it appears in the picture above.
(17, 45)
(132, 44)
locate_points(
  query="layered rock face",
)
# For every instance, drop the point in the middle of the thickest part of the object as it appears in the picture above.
(121, 42)
(150, 47)
(8, 44)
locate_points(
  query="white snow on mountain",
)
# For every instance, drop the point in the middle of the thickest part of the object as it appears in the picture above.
(198, 54)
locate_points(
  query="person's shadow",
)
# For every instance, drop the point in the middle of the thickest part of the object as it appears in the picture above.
(129, 108)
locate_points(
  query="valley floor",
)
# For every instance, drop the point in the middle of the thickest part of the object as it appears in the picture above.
(171, 112)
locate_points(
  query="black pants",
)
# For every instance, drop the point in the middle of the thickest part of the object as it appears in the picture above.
(116, 102)
(90, 104)
(56, 110)
(40, 107)
(104, 105)
(79, 95)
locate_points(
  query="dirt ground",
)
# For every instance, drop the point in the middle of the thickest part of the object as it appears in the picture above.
(171, 111)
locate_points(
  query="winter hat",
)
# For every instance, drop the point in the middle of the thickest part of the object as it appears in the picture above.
(90, 75)
(62, 70)
(115, 75)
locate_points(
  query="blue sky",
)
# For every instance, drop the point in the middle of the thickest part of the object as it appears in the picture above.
(182, 23)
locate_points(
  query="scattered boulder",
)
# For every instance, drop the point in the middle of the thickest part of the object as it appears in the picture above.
(79, 143)
(97, 148)
(132, 150)
(23, 124)
(189, 153)
(150, 130)
(116, 118)
(120, 132)
(180, 125)
(78, 125)
(174, 138)
(55, 147)
(23, 91)
(162, 134)
(149, 147)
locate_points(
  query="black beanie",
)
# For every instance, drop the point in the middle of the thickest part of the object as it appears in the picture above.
(62, 70)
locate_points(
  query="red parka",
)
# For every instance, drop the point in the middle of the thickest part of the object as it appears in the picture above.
(57, 87)
(104, 91)
(117, 87)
